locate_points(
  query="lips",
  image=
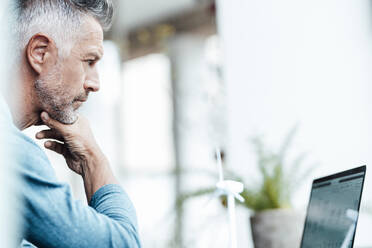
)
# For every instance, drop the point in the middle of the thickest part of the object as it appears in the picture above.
(77, 104)
(81, 100)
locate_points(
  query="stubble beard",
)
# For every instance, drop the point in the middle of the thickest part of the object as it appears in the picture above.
(54, 98)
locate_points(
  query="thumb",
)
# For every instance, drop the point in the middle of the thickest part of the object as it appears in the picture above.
(50, 122)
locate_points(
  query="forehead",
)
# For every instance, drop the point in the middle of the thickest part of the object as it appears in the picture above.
(90, 37)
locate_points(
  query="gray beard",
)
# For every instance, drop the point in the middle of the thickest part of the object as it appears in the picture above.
(52, 98)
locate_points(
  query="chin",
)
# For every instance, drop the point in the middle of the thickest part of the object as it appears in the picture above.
(65, 116)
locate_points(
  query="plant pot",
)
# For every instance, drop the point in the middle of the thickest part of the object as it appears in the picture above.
(279, 228)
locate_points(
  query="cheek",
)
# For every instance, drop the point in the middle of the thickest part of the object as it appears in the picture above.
(74, 76)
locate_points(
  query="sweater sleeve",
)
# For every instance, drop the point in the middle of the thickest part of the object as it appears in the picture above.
(52, 218)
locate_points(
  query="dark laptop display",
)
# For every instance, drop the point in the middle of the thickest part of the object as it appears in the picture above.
(333, 210)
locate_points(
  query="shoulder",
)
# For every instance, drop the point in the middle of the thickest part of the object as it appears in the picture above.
(23, 153)
(29, 157)
(24, 146)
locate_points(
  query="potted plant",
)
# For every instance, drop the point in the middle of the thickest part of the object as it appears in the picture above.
(274, 223)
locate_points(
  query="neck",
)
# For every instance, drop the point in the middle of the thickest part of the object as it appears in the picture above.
(21, 101)
(23, 116)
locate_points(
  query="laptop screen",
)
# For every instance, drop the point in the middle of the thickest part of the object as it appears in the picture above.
(333, 209)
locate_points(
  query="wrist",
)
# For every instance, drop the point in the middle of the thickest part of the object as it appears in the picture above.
(92, 156)
(96, 173)
(93, 163)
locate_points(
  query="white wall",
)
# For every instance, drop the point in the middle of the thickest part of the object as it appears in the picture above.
(306, 62)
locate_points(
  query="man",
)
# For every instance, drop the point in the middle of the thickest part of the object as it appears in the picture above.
(59, 44)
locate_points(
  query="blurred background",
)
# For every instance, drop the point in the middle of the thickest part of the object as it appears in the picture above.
(182, 78)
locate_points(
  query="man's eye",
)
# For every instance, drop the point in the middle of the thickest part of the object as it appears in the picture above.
(90, 62)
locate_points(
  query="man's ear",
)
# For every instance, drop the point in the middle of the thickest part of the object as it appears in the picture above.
(41, 52)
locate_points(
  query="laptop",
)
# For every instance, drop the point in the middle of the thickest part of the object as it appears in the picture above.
(333, 210)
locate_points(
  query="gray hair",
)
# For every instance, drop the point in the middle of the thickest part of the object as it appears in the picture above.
(60, 19)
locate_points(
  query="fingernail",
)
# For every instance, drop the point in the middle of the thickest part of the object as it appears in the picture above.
(44, 115)
(48, 144)
(39, 135)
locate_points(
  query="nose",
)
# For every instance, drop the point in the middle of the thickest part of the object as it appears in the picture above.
(92, 80)
(91, 85)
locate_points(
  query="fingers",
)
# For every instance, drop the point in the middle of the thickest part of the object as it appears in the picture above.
(50, 122)
(49, 134)
(55, 146)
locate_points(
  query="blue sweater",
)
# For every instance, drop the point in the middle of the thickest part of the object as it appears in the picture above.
(50, 215)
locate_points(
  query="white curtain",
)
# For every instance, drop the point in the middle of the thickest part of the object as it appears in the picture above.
(8, 182)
